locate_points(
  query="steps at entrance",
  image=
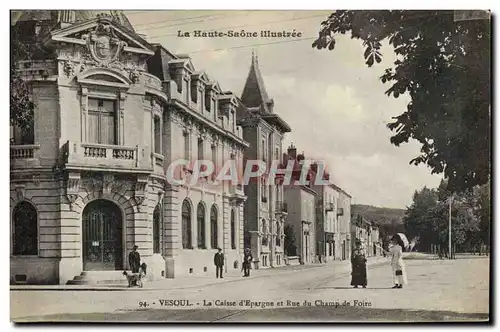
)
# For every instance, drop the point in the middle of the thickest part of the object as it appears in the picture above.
(115, 278)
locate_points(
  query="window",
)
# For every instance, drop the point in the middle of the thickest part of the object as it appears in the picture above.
(201, 226)
(157, 134)
(186, 93)
(194, 92)
(186, 225)
(208, 101)
(156, 229)
(278, 234)
(213, 227)
(25, 229)
(102, 121)
(277, 154)
(214, 157)
(263, 150)
(200, 149)
(263, 190)
(233, 230)
(22, 136)
(264, 231)
(186, 146)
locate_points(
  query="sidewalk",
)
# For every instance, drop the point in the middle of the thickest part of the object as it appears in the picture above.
(233, 275)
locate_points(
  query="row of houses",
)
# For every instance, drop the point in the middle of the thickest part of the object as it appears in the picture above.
(90, 175)
(368, 233)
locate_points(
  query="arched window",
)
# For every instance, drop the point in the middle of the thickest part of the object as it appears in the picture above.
(278, 234)
(264, 231)
(201, 226)
(233, 230)
(156, 229)
(213, 227)
(186, 225)
(25, 229)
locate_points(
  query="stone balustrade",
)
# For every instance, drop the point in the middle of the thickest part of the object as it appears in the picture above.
(110, 156)
(23, 151)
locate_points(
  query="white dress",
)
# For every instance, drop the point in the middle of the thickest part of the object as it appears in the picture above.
(397, 264)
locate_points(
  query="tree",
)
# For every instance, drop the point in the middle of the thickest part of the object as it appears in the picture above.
(422, 218)
(21, 105)
(443, 64)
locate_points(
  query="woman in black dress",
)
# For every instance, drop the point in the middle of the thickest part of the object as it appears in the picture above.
(358, 261)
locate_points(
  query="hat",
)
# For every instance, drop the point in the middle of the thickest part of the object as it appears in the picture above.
(136, 246)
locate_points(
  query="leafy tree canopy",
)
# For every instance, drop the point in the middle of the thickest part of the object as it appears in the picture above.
(443, 64)
(21, 105)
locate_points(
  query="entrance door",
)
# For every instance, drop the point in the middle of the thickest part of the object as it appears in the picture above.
(102, 236)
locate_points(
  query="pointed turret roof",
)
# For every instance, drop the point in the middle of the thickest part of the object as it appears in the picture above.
(254, 93)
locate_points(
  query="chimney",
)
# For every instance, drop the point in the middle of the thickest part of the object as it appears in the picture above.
(292, 151)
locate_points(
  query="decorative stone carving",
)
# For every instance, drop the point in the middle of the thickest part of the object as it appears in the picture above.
(69, 68)
(72, 188)
(140, 189)
(20, 192)
(134, 76)
(103, 44)
(36, 179)
(107, 183)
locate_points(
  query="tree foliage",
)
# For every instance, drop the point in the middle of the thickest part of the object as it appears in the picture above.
(428, 216)
(443, 64)
(21, 104)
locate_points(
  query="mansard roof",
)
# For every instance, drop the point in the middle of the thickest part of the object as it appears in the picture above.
(69, 16)
(255, 93)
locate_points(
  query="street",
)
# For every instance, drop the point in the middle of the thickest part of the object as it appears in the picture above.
(438, 290)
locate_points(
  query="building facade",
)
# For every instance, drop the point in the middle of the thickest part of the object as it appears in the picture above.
(265, 209)
(301, 218)
(368, 233)
(332, 232)
(112, 114)
(344, 225)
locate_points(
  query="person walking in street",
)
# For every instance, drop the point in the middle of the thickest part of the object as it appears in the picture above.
(219, 263)
(398, 266)
(247, 260)
(134, 260)
(358, 263)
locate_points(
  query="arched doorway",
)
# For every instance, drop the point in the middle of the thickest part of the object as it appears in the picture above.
(102, 236)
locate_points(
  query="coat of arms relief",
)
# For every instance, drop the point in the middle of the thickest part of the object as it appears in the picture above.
(103, 48)
(103, 44)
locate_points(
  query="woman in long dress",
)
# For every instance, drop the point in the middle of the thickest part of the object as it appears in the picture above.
(397, 263)
(358, 261)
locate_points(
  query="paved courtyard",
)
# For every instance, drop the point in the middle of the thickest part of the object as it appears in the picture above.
(438, 290)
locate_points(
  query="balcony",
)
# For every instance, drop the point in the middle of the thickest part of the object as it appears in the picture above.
(236, 192)
(263, 199)
(281, 207)
(152, 82)
(78, 155)
(24, 155)
(329, 207)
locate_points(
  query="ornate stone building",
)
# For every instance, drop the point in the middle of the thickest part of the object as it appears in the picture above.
(265, 210)
(89, 181)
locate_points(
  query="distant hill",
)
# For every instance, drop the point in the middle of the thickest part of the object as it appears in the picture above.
(389, 220)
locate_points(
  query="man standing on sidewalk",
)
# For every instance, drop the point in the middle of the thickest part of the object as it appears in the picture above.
(134, 260)
(219, 263)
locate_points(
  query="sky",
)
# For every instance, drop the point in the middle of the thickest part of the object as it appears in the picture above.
(334, 103)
